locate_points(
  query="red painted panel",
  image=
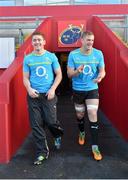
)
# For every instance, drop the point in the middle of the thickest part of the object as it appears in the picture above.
(4, 134)
(114, 88)
(13, 111)
(122, 92)
(67, 11)
(19, 123)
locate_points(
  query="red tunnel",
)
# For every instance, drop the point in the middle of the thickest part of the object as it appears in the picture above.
(114, 88)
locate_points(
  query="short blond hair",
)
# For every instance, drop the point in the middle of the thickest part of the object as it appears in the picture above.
(86, 33)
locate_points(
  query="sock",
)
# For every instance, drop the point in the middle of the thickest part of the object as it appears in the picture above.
(81, 124)
(94, 132)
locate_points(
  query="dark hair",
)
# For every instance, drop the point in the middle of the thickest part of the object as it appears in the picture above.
(38, 33)
(86, 33)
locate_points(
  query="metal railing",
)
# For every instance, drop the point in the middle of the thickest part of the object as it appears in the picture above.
(117, 23)
(55, 2)
(19, 27)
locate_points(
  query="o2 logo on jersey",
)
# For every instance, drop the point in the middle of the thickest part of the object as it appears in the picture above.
(87, 70)
(70, 35)
(41, 72)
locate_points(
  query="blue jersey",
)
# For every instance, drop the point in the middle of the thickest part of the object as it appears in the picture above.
(92, 63)
(41, 70)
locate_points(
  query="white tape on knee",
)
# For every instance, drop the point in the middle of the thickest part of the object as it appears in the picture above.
(92, 107)
(80, 108)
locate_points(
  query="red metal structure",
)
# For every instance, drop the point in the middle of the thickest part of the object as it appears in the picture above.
(114, 98)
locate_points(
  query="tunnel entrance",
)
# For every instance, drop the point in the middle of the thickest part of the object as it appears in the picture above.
(65, 86)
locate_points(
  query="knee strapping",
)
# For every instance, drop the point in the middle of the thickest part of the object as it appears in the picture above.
(80, 108)
(92, 107)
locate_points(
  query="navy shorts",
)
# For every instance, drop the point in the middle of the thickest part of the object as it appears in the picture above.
(79, 97)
